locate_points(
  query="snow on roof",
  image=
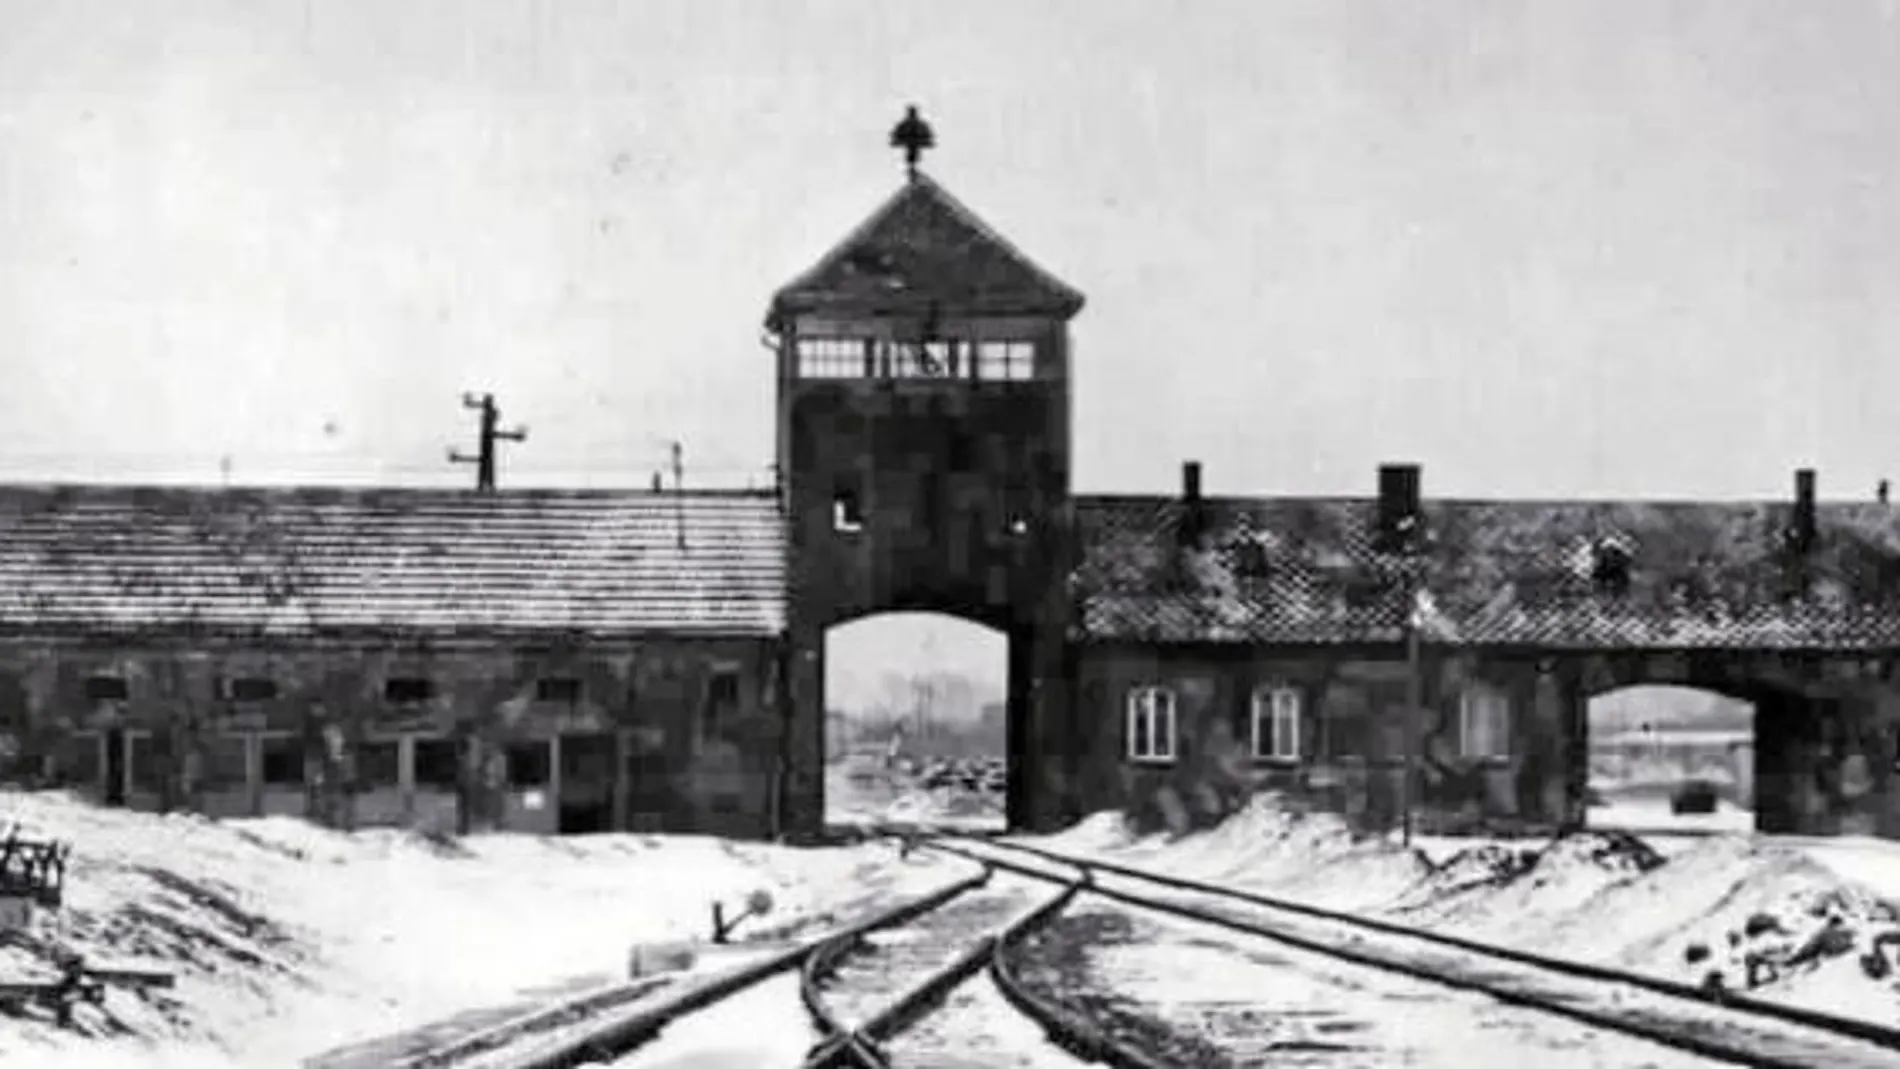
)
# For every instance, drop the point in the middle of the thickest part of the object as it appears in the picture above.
(90, 560)
(1499, 573)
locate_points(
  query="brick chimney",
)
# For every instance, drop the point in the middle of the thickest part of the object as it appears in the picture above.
(1400, 522)
(1193, 508)
(1801, 530)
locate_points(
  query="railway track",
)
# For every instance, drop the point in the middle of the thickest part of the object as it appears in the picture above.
(865, 992)
(859, 988)
(1729, 1030)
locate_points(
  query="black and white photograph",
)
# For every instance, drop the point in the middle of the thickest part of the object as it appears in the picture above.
(723, 534)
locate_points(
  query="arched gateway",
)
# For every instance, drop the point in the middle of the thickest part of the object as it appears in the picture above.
(923, 450)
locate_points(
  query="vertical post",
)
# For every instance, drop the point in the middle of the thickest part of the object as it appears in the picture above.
(1414, 697)
(679, 481)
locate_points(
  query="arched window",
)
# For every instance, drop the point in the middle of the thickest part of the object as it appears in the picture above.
(1151, 724)
(1276, 722)
(1484, 721)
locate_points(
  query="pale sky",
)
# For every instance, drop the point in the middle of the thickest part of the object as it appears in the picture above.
(859, 654)
(1623, 249)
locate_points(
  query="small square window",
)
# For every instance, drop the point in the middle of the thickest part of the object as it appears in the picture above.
(283, 762)
(564, 691)
(438, 763)
(408, 690)
(529, 764)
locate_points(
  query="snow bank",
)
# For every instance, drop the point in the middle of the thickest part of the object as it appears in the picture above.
(1724, 904)
(288, 938)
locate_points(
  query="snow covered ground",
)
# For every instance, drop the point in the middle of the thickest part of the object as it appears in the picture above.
(862, 793)
(1710, 904)
(1651, 816)
(289, 940)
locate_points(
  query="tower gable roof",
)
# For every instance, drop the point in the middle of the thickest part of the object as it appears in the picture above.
(923, 247)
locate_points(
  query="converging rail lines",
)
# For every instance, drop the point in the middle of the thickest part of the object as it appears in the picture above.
(1715, 1026)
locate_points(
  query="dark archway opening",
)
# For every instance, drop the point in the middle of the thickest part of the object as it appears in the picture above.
(917, 722)
(1672, 759)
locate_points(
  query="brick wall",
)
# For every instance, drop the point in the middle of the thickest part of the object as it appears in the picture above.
(1351, 737)
(488, 736)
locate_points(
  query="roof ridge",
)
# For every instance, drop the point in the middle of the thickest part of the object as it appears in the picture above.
(924, 185)
(977, 223)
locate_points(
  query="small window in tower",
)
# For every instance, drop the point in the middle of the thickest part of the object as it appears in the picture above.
(1006, 361)
(847, 515)
(562, 691)
(831, 358)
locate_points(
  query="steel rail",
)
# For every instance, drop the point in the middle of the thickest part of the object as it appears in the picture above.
(1867, 1031)
(617, 1034)
(864, 1046)
(1703, 1046)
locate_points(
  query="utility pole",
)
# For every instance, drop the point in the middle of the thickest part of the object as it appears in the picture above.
(679, 483)
(1414, 692)
(484, 459)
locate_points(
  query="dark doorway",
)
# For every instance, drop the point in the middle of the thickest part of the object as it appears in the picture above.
(650, 802)
(115, 766)
(587, 784)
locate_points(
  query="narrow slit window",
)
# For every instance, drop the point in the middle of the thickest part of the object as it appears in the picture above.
(408, 690)
(249, 689)
(106, 688)
(722, 700)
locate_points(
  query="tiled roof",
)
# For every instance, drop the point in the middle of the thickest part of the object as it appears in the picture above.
(1701, 575)
(922, 245)
(113, 560)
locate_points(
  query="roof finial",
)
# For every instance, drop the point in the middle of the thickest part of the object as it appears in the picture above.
(913, 135)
